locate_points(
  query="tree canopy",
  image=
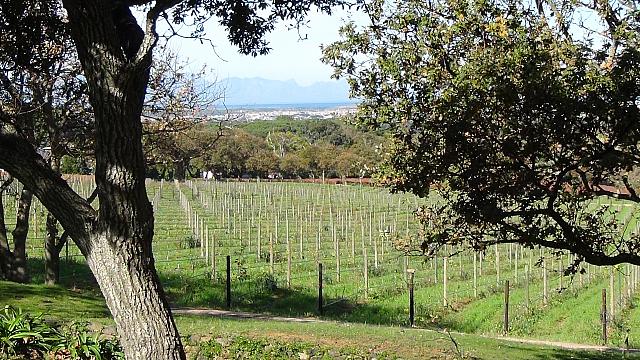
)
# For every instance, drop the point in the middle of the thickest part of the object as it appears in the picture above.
(521, 115)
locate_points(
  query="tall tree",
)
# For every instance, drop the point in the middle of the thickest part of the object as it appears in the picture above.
(520, 114)
(26, 60)
(176, 127)
(116, 55)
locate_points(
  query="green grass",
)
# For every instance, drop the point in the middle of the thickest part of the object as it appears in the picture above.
(345, 338)
(340, 216)
(54, 301)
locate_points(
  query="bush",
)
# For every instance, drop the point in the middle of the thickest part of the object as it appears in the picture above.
(189, 242)
(79, 343)
(267, 283)
(23, 335)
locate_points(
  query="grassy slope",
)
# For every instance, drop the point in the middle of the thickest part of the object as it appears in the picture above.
(409, 344)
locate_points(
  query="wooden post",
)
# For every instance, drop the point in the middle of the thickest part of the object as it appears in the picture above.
(506, 307)
(475, 275)
(526, 286)
(365, 267)
(411, 273)
(302, 233)
(612, 291)
(515, 278)
(603, 316)
(337, 245)
(35, 220)
(320, 303)
(545, 285)
(214, 275)
(206, 245)
(271, 257)
(560, 270)
(288, 261)
(435, 268)
(444, 282)
(497, 266)
(259, 235)
(228, 292)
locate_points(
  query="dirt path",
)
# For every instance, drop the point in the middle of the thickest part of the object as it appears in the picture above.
(256, 316)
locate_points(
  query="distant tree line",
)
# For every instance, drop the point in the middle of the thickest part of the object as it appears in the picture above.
(284, 148)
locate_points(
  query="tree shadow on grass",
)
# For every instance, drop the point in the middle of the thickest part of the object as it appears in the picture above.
(54, 301)
(262, 294)
(74, 273)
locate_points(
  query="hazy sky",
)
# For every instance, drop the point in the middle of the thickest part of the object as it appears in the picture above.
(290, 58)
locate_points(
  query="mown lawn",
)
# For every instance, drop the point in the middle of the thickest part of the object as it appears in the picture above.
(361, 340)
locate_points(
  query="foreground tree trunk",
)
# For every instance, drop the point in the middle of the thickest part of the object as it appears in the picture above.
(118, 249)
(132, 290)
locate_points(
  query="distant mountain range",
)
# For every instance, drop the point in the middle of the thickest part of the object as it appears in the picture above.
(258, 91)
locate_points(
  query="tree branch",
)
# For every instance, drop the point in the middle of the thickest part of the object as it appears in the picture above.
(573, 245)
(74, 213)
(150, 34)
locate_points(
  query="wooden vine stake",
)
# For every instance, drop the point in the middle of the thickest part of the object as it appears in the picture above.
(365, 269)
(545, 283)
(475, 275)
(506, 307)
(603, 316)
(444, 282)
(271, 258)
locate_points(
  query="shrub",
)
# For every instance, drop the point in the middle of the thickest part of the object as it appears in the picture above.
(79, 343)
(23, 335)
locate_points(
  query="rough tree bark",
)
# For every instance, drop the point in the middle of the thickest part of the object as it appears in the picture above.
(119, 243)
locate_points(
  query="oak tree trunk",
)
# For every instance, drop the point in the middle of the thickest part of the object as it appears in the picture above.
(119, 245)
(133, 293)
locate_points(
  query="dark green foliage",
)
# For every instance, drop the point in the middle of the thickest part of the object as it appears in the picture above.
(78, 343)
(23, 335)
(189, 242)
(518, 122)
(295, 149)
(247, 22)
(30, 31)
